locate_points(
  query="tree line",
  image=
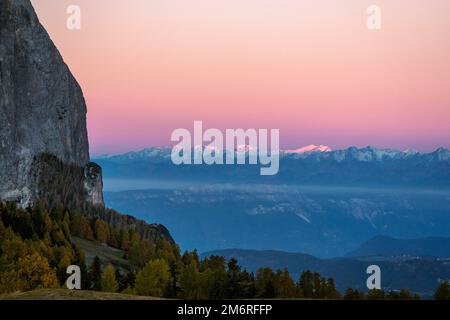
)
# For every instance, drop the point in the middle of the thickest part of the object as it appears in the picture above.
(36, 247)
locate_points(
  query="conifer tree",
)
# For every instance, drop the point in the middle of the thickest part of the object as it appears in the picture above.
(306, 285)
(95, 272)
(153, 279)
(108, 281)
(330, 290)
(284, 285)
(191, 283)
(102, 232)
(265, 286)
(442, 291)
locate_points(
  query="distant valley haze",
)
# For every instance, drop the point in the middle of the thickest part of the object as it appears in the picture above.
(322, 202)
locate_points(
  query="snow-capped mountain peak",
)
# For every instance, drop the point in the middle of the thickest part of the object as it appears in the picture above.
(310, 148)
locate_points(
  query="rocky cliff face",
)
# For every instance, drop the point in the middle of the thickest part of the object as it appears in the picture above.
(42, 108)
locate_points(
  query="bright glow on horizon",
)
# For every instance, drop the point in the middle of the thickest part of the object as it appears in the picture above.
(310, 68)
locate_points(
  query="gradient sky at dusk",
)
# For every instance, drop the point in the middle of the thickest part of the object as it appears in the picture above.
(310, 68)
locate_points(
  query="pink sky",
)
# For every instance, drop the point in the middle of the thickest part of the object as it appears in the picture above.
(310, 68)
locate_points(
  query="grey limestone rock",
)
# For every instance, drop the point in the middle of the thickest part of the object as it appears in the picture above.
(42, 108)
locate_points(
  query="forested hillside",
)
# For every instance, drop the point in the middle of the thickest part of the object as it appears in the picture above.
(37, 245)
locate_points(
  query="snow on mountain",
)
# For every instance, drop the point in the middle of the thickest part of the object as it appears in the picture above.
(308, 149)
(367, 154)
(442, 154)
(141, 154)
(316, 152)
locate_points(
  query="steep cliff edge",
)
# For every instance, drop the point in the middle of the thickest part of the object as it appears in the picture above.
(44, 148)
(42, 108)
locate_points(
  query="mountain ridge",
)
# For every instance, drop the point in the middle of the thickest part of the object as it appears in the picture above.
(322, 151)
(351, 167)
(390, 246)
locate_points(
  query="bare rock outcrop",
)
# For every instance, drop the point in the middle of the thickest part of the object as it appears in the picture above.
(42, 108)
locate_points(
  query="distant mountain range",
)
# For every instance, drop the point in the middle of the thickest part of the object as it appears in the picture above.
(316, 151)
(311, 165)
(420, 275)
(322, 202)
(388, 246)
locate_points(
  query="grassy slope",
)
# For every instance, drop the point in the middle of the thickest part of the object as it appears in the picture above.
(105, 253)
(65, 294)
